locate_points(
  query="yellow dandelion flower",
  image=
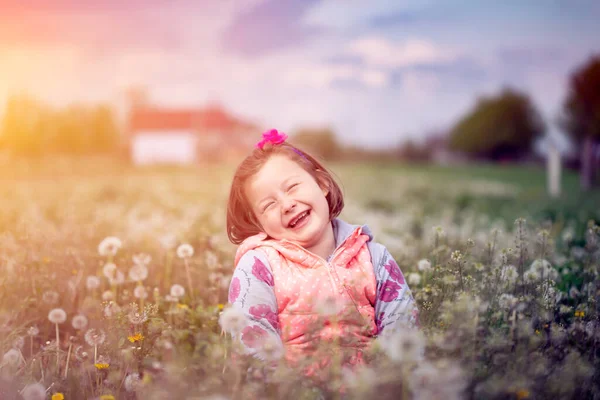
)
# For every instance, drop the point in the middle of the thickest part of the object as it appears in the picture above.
(221, 306)
(183, 306)
(101, 365)
(522, 394)
(46, 260)
(579, 314)
(537, 331)
(107, 397)
(58, 396)
(74, 272)
(136, 338)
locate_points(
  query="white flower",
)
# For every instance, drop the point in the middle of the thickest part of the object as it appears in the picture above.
(271, 349)
(11, 358)
(57, 316)
(509, 274)
(138, 272)
(414, 279)
(168, 241)
(34, 391)
(109, 270)
(171, 299)
(95, 337)
(142, 259)
(212, 261)
(136, 317)
(119, 279)
(108, 295)
(185, 251)
(403, 344)
(50, 297)
(111, 309)
(177, 290)
(424, 265)
(33, 331)
(132, 382)
(507, 301)
(92, 282)
(140, 292)
(232, 320)
(531, 276)
(109, 246)
(79, 322)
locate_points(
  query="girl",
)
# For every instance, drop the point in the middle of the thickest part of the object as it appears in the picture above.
(303, 277)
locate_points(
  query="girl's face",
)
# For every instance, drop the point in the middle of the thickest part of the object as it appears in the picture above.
(288, 202)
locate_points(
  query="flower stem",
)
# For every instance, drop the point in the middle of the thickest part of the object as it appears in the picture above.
(68, 358)
(189, 279)
(57, 349)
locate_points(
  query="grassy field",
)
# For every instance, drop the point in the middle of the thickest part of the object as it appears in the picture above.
(508, 306)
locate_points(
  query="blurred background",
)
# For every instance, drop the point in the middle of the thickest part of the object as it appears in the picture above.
(446, 85)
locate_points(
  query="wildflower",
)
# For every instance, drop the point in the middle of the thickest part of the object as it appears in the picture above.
(403, 344)
(507, 301)
(232, 320)
(119, 279)
(183, 306)
(456, 256)
(140, 292)
(79, 322)
(509, 274)
(109, 246)
(271, 349)
(212, 261)
(58, 396)
(531, 276)
(579, 313)
(414, 279)
(424, 265)
(574, 292)
(185, 251)
(12, 358)
(177, 290)
(50, 297)
(107, 397)
(95, 337)
(220, 306)
(167, 241)
(142, 259)
(101, 365)
(57, 316)
(138, 272)
(135, 338)
(522, 394)
(34, 391)
(92, 282)
(111, 309)
(132, 382)
(171, 299)
(137, 318)
(33, 331)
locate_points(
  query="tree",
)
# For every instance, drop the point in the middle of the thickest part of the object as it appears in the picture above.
(321, 142)
(581, 115)
(501, 127)
(23, 127)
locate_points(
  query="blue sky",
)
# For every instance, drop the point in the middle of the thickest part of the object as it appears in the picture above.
(378, 72)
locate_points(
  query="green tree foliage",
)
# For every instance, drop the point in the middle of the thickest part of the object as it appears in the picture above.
(31, 128)
(581, 118)
(319, 142)
(500, 127)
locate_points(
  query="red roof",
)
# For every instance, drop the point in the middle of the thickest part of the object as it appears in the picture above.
(154, 119)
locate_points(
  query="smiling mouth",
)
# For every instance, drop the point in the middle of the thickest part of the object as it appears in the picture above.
(299, 218)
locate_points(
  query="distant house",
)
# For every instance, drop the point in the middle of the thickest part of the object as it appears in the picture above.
(185, 136)
(439, 153)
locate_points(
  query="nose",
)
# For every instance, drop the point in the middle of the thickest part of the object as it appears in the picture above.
(288, 205)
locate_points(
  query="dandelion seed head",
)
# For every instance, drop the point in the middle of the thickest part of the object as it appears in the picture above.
(119, 279)
(109, 246)
(414, 278)
(34, 391)
(232, 320)
(132, 382)
(138, 272)
(57, 316)
(403, 344)
(108, 295)
(12, 358)
(79, 322)
(94, 337)
(109, 270)
(424, 265)
(177, 291)
(142, 259)
(50, 297)
(140, 292)
(212, 261)
(168, 241)
(270, 350)
(33, 331)
(136, 317)
(92, 282)
(185, 251)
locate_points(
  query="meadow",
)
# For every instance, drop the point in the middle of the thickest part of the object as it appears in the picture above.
(115, 282)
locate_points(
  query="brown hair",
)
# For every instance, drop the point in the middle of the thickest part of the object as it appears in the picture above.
(241, 221)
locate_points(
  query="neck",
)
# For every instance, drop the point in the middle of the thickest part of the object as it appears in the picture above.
(326, 245)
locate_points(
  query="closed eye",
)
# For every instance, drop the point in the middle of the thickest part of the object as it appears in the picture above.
(267, 206)
(293, 186)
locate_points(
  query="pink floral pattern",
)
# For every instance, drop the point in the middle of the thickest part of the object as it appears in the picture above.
(273, 137)
(262, 273)
(264, 311)
(389, 291)
(234, 289)
(253, 336)
(394, 271)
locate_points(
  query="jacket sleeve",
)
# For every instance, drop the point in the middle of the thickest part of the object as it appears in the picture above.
(394, 305)
(251, 292)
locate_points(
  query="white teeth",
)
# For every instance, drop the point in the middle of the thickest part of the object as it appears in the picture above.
(298, 218)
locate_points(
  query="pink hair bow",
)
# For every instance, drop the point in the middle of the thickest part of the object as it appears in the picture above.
(273, 137)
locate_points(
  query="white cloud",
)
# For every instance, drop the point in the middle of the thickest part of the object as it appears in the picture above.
(380, 52)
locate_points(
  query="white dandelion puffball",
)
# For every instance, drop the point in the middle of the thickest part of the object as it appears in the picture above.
(109, 246)
(108, 295)
(92, 282)
(119, 279)
(403, 344)
(95, 337)
(171, 299)
(140, 292)
(33, 331)
(414, 278)
(142, 259)
(79, 322)
(424, 265)
(168, 241)
(177, 290)
(232, 320)
(271, 349)
(132, 382)
(111, 309)
(138, 272)
(34, 391)
(57, 316)
(11, 358)
(50, 297)
(185, 251)
(109, 270)
(137, 318)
